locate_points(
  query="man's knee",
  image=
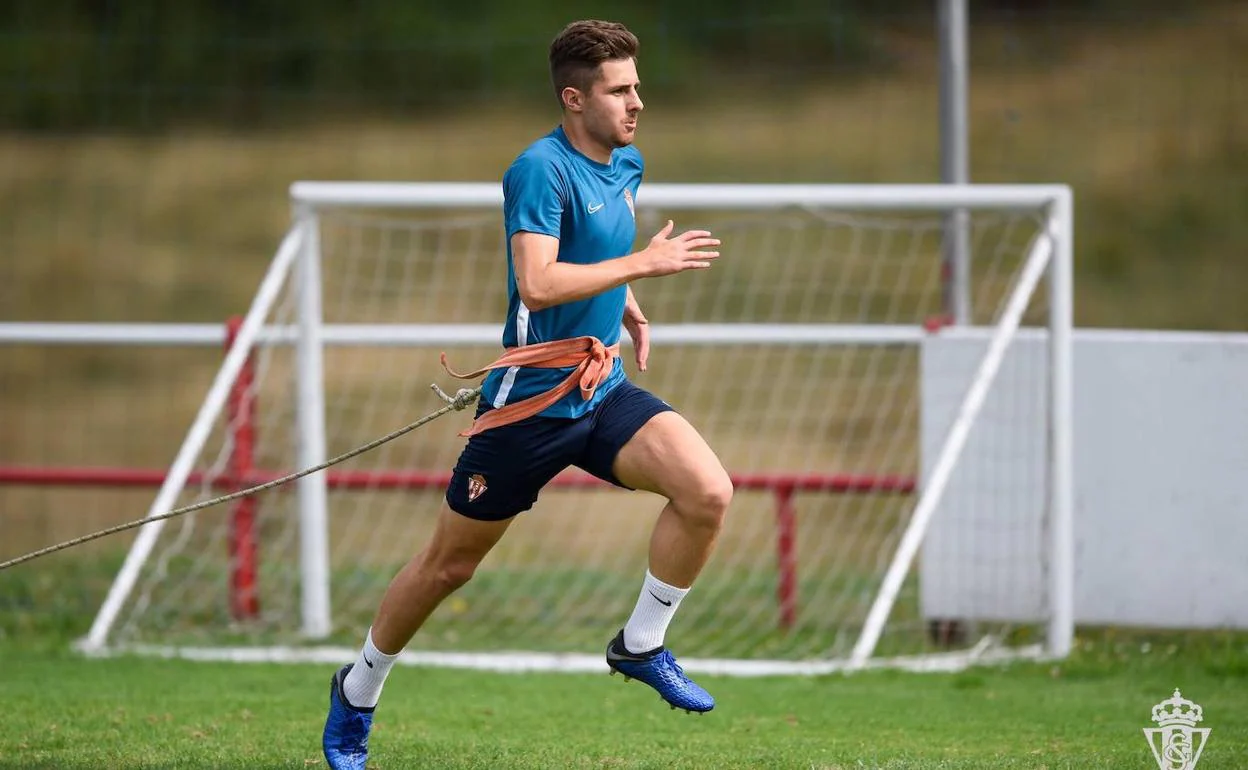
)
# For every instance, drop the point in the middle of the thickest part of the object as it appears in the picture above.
(706, 504)
(448, 573)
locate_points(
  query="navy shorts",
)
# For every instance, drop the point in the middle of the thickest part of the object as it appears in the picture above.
(501, 471)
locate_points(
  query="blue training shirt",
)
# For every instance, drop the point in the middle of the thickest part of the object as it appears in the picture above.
(553, 189)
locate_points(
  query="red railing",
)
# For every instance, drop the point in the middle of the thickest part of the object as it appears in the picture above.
(241, 412)
(242, 473)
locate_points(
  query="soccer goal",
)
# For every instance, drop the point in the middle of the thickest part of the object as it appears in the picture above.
(903, 482)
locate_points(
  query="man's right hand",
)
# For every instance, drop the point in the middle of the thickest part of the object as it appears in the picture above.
(665, 255)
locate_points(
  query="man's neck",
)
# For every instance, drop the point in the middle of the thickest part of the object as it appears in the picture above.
(580, 139)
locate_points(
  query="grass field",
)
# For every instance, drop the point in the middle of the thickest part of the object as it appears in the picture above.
(63, 711)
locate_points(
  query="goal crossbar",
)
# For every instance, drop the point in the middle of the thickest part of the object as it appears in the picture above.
(692, 197)
(430, 335)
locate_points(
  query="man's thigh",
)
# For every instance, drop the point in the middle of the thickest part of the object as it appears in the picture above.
(668, 456)
(621, 415)
(501, 471)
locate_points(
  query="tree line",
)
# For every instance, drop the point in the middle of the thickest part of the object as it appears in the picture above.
(147, 64)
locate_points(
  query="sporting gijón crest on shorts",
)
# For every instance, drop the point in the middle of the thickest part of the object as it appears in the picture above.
(476, 486)
(552, 189)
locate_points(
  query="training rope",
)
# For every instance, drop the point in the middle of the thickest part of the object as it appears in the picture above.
(462, 399)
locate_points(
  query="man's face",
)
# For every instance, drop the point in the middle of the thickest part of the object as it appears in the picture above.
(612, 104)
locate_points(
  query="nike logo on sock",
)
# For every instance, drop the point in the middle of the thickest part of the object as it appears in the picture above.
(660, 601)
(367, 662)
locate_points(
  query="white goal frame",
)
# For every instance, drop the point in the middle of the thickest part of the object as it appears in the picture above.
(299, 258)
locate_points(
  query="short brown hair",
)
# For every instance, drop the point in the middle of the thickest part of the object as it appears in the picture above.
(579, 49)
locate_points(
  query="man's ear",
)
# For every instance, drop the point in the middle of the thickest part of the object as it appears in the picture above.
(572, 98)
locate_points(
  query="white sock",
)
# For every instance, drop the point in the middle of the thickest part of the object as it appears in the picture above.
(362, 687)
(656, 605)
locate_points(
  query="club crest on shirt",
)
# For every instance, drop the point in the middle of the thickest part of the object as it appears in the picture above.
(476, 486)
(628, 198)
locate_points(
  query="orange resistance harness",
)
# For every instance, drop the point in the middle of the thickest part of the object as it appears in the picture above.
(592, 359)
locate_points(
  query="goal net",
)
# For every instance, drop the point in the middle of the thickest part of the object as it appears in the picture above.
(902, 482)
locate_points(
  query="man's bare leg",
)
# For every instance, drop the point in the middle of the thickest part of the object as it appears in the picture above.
(458, 545)
(669, 457)
(448, 561)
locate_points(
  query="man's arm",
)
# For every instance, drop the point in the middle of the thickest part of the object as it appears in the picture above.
(544, 281)
(638, 329)
(632, 309)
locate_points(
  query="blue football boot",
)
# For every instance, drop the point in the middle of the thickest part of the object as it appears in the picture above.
(659, 669)
(345, 741)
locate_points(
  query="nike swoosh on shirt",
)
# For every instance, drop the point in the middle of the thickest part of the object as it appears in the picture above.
(594, 209)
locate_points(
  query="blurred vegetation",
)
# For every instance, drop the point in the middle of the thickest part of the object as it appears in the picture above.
(158, 190)
(100, 64)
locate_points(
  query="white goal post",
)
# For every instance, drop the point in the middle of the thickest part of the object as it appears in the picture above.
(803, 361)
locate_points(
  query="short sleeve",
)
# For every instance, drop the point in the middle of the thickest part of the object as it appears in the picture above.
(533, 197)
